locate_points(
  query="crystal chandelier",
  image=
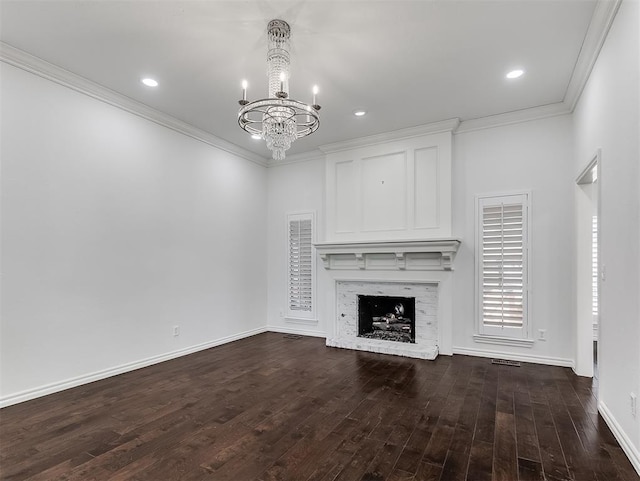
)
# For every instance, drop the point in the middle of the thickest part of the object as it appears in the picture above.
(278, 119)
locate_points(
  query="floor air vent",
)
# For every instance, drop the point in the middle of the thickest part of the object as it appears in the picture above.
(292, 336)
(505, 362)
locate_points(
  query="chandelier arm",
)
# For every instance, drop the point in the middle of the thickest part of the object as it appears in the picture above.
(253, 115)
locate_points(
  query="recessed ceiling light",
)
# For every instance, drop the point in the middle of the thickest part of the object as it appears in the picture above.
(256, 137)
(149, 82)
(515, 74)
(359, 113)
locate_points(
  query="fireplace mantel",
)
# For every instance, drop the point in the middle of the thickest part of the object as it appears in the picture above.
(436, 254)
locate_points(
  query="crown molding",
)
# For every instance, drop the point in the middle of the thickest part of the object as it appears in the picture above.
(454, 125)
(426, 129)
(601, 21)
(25, 61)
(514, 117)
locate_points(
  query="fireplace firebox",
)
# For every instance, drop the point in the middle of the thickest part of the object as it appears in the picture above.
(388, 318)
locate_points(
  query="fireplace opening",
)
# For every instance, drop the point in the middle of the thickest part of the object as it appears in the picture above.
(387, 318)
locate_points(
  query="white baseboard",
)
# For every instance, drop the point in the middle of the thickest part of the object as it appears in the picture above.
(301, 321)
(114, 371)
(625, 443)
(294, 330)
(532, 358)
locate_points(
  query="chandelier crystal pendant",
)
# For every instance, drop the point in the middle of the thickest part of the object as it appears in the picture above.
(278, 119)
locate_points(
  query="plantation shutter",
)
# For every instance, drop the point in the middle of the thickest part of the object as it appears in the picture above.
(300, 265)
(503, 265)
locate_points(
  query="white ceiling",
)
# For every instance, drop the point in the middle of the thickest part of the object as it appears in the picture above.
(407, 63)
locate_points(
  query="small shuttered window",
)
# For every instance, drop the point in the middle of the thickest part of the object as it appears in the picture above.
(502, 254)
(301, 265)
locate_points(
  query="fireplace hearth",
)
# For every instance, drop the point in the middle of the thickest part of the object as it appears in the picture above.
(387, 318)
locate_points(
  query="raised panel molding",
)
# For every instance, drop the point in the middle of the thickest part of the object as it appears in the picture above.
(383, 193)
(344, 205)
(427, 189)
(388, 191)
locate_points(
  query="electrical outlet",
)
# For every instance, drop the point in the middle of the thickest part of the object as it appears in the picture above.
(634, 404)
(542, 334)
(176, 330)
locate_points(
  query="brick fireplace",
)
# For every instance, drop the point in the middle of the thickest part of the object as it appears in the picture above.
(417, 270)
(426, 309)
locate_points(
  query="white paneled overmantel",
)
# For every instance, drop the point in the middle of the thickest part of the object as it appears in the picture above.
(421, 255)
(390, 188)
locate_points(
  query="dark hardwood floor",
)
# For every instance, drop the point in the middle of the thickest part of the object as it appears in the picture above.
(273, 408)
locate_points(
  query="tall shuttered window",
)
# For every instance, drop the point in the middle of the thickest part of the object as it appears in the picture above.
(301, 266)
(502, 256)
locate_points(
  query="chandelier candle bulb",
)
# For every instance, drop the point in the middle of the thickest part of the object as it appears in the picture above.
(244, 100)
(315, 94)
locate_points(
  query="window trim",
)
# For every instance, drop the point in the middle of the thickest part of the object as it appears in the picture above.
(296, 315)
(497, 335)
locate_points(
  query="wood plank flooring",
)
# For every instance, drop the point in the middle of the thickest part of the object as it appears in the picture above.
(272, 408)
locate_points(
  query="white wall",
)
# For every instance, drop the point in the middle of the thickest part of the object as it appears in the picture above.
(114, 230)
(607, 117)
(531, 156)
(297, 187)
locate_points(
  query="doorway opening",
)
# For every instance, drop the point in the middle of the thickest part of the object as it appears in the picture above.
(588, 269)
(594, 287)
